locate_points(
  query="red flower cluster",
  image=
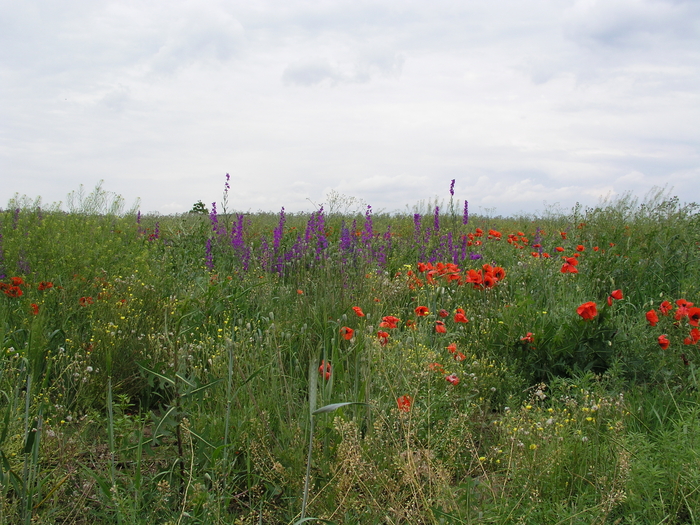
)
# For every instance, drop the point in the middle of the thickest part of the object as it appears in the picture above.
(325, 370)
(486, 277)
(684, 310)
(389, 321)
(347, 333)
(12, 289)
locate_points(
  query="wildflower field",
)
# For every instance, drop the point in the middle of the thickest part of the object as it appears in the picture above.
(350, 367)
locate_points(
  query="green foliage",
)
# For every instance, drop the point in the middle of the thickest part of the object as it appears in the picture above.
(149, 384)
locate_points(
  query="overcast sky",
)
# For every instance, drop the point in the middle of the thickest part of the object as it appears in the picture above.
(525, 103)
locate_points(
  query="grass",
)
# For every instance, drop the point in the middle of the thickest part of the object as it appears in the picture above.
(166, 369)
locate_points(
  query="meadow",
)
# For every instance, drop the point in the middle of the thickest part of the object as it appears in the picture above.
(349, 366)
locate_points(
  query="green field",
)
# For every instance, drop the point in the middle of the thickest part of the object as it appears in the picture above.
(165, 369)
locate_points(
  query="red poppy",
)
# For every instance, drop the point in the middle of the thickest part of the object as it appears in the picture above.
(587, 310)
(568, 268)
(300, 292)
(404, 403)
(358, 311)
(452, 348)
(443, 313)
(559, 249)
(383, 338)
(580, 248)
(440, 327)
(84, 301)
(665, 307)
(347, 333)
(682, 303)
(45, 285)
(452, 378)
(459, 356)
(460, 318)
(35, 309)
(695, 334)
(652, 317)
(437, 367)
(12, 291)
(693, 316)
(410, 323)
(595, 248)
(545, 255)
(529, 338)
(325, 370)
(617, 294)
(422, 311)
(389, 321)
(563, 235)
(16, 281)
(663, 342)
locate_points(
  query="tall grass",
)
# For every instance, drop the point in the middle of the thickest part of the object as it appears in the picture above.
(156, 369)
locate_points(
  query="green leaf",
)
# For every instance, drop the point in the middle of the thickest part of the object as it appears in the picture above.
(335, 406)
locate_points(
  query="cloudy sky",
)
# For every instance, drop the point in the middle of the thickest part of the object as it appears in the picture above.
(525, 104)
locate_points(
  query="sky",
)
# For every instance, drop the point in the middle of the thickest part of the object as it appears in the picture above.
(526, 105)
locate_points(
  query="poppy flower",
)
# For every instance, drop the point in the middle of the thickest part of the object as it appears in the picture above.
(440, 327)
(529, 338)
(580, 248)
(460, 318)
(695, 335)
(347, 333)
(422, 311)
(587, 310)
(693, 316)
(459, 356)
(325, 370)
(437, 367)
(12, 291)
(595, 248)
(663, 342)
(84, 301)
(545, 255)
(45, 285)
(443, 313)
(35, 309)
(358, 311)
(300, 292)
(452, 348)
(559, 249)
(404, 403)
(652, 317)
(389, 321)
(16, 281)
(452, 378)
(383, 338)
(665, 307)
(563, 235)
(410, 323)
(616, 294)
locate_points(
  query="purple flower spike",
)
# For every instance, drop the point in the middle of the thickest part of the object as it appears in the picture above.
(452, 188)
